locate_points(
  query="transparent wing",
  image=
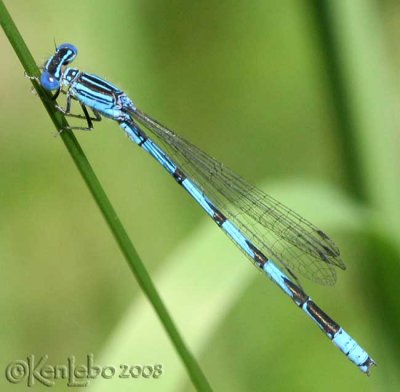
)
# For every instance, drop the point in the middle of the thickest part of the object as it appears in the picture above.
(280, 233)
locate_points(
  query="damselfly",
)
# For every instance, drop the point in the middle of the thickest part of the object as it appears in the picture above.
(271, 235)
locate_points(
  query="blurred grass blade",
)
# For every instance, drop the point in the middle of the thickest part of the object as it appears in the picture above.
(361, 80)
(104, 204)
(339, 89)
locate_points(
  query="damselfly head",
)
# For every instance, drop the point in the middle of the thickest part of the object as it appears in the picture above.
(53, 69)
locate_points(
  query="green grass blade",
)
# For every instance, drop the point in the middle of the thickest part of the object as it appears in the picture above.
(339, 89)
(362, 84)
(104, 204)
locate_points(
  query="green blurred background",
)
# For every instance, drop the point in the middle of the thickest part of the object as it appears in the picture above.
(299, 97)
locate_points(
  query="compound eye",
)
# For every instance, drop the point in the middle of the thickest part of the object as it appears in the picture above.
(49, 82)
